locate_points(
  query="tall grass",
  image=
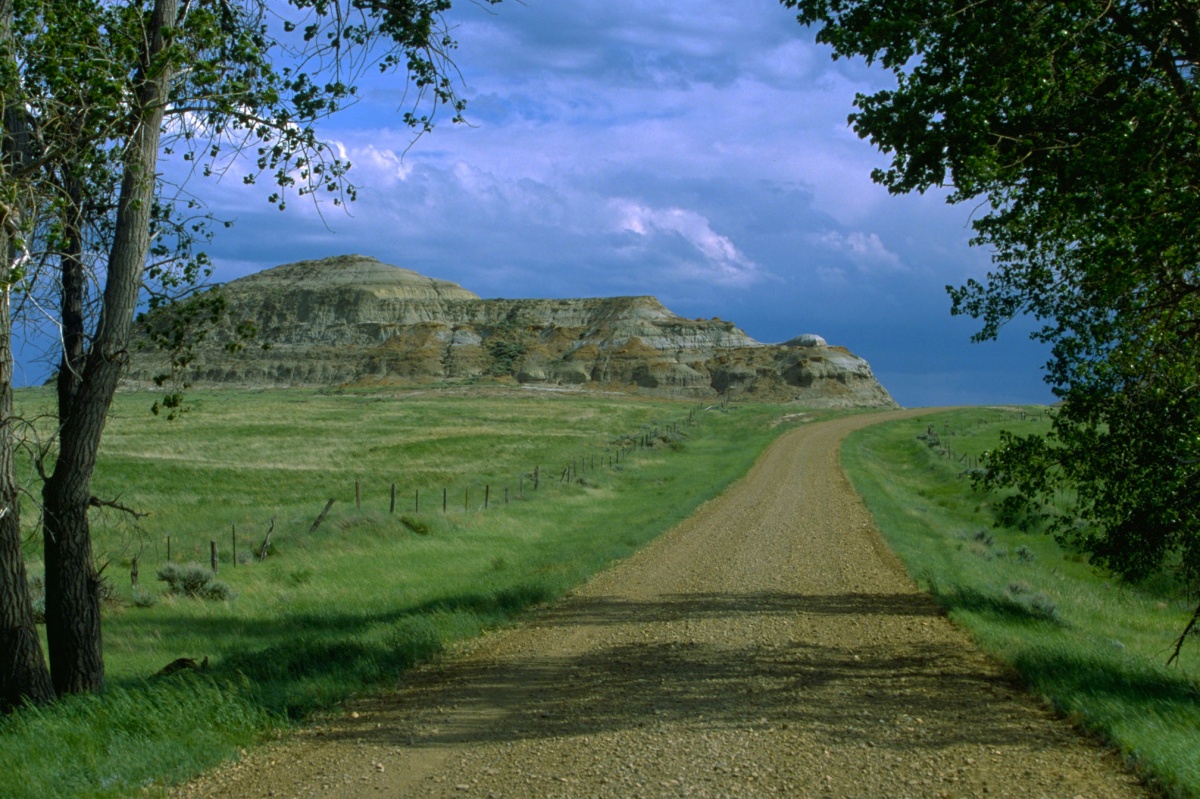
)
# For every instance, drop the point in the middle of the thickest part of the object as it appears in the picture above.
(1093, 646)
(349, 607)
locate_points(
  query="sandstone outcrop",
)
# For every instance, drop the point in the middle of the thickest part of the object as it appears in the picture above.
(355, 320)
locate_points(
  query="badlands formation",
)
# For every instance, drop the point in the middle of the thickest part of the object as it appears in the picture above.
(352, 320)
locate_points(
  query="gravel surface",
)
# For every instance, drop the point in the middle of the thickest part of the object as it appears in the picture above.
(770, 645)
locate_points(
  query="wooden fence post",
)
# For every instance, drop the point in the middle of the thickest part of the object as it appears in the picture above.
(467, 498)
(320, 517)
(536, 475)
(233, 532)
(168, 547)
(487, 495)
(212, 547)
(416, 500)
(357, 495)
(133, 573)
(393, 510)
(266, 544)
(443, 499)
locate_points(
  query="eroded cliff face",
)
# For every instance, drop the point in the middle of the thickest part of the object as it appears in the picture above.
(353, 320)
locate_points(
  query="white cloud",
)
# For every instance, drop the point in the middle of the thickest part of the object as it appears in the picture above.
(383, 164)
(865, 250)
(721, 262)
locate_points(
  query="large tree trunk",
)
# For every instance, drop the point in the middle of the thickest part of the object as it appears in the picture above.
(23, 674)
(72, 584)
(73, 615)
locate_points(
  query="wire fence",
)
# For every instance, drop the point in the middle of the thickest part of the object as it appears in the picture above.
(477, 496)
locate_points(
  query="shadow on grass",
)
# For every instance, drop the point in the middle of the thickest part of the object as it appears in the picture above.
(1134, 684)
(298, 663)
(1001, 608)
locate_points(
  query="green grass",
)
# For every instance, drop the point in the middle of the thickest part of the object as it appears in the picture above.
(1093, 646)
(349, 607)
(346, 609)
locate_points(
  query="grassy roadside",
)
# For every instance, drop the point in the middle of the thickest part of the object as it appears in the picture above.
(1092, 646)
(347, 608)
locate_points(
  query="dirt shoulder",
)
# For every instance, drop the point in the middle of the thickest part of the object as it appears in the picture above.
(770, 645)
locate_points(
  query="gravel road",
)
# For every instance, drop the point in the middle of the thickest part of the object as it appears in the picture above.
(770, 645)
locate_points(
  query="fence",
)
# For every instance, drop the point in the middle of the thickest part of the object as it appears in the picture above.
(526, 482)
(939, 442)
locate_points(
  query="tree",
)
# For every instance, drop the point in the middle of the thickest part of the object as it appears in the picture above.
(94, 92)
(1075, 125)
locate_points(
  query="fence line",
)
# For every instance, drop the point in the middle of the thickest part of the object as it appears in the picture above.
(573, 471)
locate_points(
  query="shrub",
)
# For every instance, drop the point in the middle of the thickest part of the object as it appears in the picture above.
(300, 577)
(1025, 554)
(144, 599)
(1044, 607)
(503, 355)
(195, 581)
(416, 525)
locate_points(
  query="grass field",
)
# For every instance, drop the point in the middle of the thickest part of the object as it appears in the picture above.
(1093, 646)
(348, 607)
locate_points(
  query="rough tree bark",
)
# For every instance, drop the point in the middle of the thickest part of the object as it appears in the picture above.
(72, 583)
(23, 674)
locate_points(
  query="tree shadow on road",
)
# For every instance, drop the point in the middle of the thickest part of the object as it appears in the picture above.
(902, 690)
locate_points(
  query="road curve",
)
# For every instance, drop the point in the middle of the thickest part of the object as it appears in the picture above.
(770, 645)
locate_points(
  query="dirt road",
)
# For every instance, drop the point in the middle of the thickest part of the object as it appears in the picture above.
(768, 646)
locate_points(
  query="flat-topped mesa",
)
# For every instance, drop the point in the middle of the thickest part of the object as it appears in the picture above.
(352, 319)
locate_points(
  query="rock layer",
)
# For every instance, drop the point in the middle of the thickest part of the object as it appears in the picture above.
(353, 319)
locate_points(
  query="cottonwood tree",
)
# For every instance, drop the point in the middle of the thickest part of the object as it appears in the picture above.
(1075, 126)
(94, 93)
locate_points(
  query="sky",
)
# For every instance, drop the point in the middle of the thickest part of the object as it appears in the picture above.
(693, 150)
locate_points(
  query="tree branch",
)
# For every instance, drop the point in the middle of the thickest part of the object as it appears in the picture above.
(1183, 636)
(96, 502)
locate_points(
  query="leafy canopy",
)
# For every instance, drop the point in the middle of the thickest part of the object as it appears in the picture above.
(1075, 125)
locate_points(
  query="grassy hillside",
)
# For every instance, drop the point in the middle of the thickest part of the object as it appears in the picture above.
(1094, 646)
(348, 607)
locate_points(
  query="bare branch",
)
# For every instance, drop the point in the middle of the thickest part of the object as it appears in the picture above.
(96, 502)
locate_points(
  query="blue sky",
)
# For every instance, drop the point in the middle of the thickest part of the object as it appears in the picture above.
(693, 150)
